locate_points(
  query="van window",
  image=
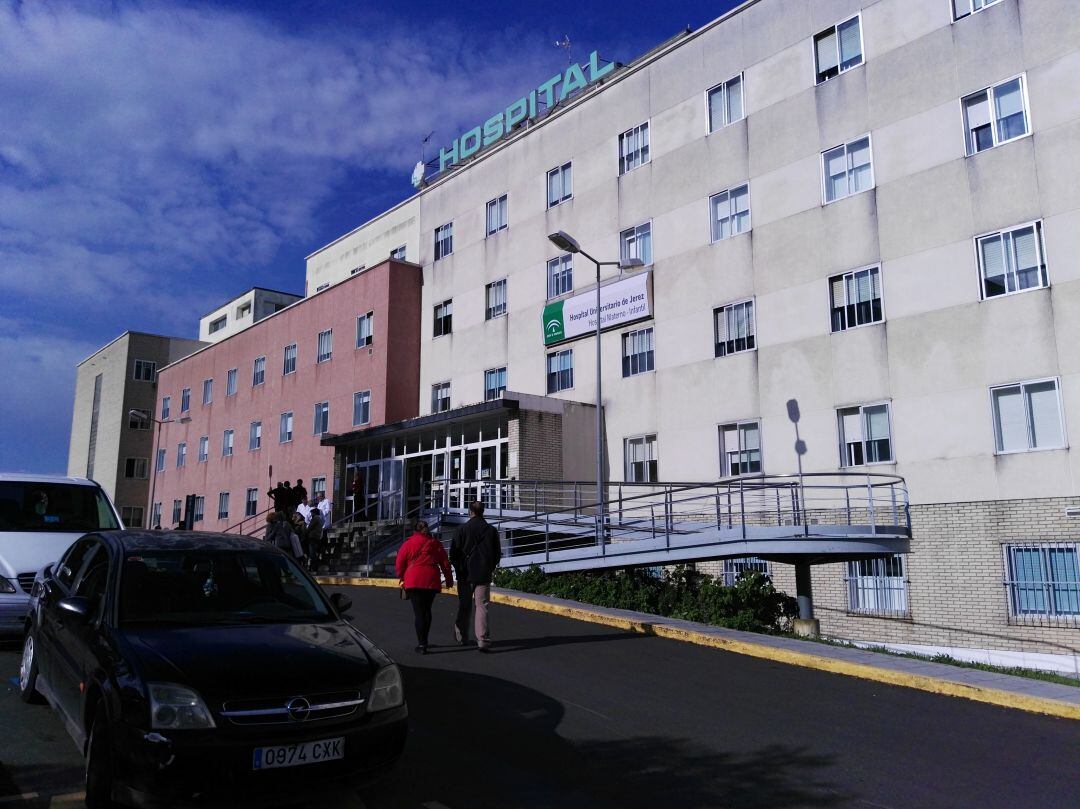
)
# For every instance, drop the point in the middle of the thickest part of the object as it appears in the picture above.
(54, 507)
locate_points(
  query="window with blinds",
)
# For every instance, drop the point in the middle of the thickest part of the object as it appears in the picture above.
(185, 400)
(325, 345)
(560, 276)
(634, 148)
(496, 215)
(740, 448)
(995, 115)
(838, 48)
(285, 428)
(725, 102)
(161, 460)
(398, 253)
(636, 242)
(223, 505)
(251, 502)
(494, 383)
(560, 370)
(440, 397)
(1011, 260)
(963, 8)
(1027, 416)
(855, 298)
(865, 435)
(258, 374)
(444, 240)
(166, 405)
(361, 408)
(365, 330)
(495, 294)
(204, 448)
(877, 586)
(230, 382)
(560, 185)
(255, 436)
(637, 352)
(200, 506)
(1043, 578)
(321, 422)
(207, 391)
(288, 364)
(443, 318)
(227, 443)
(734, 328)
(176, 505)
(641, 460)
(847, 169)
(181, 454)
(730, 212)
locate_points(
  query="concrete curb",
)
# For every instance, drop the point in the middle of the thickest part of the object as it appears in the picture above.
(717, 638)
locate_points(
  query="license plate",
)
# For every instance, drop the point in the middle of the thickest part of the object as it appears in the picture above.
(296, 755)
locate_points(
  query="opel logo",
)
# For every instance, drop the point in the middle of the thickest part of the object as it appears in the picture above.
(298, 709)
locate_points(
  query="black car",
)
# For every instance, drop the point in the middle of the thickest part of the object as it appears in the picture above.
(193, 666)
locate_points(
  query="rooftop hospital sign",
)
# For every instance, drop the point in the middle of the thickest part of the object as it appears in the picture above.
(558, 88)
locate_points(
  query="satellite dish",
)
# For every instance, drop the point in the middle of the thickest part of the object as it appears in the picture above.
(418, 174)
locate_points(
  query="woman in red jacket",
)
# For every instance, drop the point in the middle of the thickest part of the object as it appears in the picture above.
(419, 562)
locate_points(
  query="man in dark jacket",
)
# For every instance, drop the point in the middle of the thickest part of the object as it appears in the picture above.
(299, 493)
(475, 553)
(278, 495)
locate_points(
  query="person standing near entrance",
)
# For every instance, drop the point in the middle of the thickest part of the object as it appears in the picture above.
(419, 563)
(475, 553)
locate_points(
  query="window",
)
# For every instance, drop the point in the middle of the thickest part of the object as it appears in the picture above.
(855, 298)
(145, 371)
(361, 408)
(735, 569)
(865, 435)
(243, 310)
(326, 345)
(877, 586)
(207, 391)
(181, 455)
(1043, 578)
(560, 370)
(560, 185)
(495, 295)
(176, 505)
(444, 318)
(398, 253)
(725, 103)
(730, 212)
(740, 448)
(962, 8)
(734, 328)
(496, 215)
(258, 375)
(200, 505)
(223, 505)
(227, 443)
(131, 516)
(355, 271)
(138, 468)
(995, 115)
(1027, 416)
(1011, 260)
(634, 148)
(494, 384)
(848, 169)
(440, 397)
(637, 352)
(321, 423)
(155, 515)
(218, 325)
(365, 330)
(254, 436)
(641, 459)
(285, 429)
(204, 448)
(318, 486)
(230, 382)
(251, 502)
(837, 49)
(636, 243)
(161, 460)
(138, 420)
(444, 240)
(185, 400)
(288, 364)
(321, 287)
(560, 276)
(166, 405)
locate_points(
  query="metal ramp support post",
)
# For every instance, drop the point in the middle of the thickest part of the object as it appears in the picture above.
(806, 625)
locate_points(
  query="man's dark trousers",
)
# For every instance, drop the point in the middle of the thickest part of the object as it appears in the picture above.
(464, 609)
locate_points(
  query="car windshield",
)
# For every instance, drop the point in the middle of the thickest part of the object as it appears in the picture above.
(54, 507)
(200, 588)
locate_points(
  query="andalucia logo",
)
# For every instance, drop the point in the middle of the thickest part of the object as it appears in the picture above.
(554, 327)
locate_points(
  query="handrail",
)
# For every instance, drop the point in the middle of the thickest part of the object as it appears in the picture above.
(249, 517)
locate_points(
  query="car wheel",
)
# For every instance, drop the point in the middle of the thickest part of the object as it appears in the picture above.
(99, 765)
(28, 671)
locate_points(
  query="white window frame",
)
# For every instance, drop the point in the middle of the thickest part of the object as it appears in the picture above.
(843, 278)
(230, 382)
(724, 89)
(734, 568)
(630, 240)
(1045, 587)
(444, 240)
(207, 392)
(990, 96)
(748, 304)
(872, 590)
(500, 207)
(320, 417)
(185, 400)
(558, 373)
(496, 390)
(634, 148)
(223, 505)
(181, 455)
(365, 330)
(285, 427)
(217, 325)
(849, 171)
(1023, 385)
(646, 443)
(968, 4)
(726, 197)
(446, 318)
(399, 253)
(204, 449)
(495, 299)
(561, 172)
(437, 389)
(228, 442)
(842, 437)
(324, 346)
(560, 273)
(1040, 248)
(362, 401)
(254, 436)
(644, 359)
(840, 69)
(251, 502)
(740, 450)
(258, 372)
(288, 363)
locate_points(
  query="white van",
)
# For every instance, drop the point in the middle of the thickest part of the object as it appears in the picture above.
(40, 517)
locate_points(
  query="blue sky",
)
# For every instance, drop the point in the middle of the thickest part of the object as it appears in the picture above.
(157, 158)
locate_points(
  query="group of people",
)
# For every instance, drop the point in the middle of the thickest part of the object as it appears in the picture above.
(474, 554)
(295, 525)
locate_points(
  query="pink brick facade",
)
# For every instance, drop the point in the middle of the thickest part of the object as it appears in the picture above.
(389, 368)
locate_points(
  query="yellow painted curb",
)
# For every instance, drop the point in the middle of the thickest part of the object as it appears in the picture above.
(920, 682)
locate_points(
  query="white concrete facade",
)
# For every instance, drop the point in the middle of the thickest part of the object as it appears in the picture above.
(242, 312)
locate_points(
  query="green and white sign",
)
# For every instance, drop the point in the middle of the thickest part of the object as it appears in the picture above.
(621, 302)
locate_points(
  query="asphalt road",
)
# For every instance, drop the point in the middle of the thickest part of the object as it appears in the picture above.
(575, 716)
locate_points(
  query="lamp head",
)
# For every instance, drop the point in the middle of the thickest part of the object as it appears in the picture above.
(564, 241)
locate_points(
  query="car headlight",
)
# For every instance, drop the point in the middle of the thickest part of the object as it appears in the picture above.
(174, 707)
(7, 588)
(387, 691)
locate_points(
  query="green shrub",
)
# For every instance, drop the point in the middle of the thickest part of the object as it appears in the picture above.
(753, 604)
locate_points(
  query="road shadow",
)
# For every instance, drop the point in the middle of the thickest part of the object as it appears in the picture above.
(478, 741)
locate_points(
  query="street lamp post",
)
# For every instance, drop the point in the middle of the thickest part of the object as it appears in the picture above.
(564, 241)
(145, 414)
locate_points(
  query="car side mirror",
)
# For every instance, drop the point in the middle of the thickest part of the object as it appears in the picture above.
(342, 603)
(77, 608)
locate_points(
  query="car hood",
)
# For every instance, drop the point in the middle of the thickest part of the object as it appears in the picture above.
(253, 661)
(30, 551)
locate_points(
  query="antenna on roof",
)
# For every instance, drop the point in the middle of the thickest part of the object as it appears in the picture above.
(564, 43)
(420, 168)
